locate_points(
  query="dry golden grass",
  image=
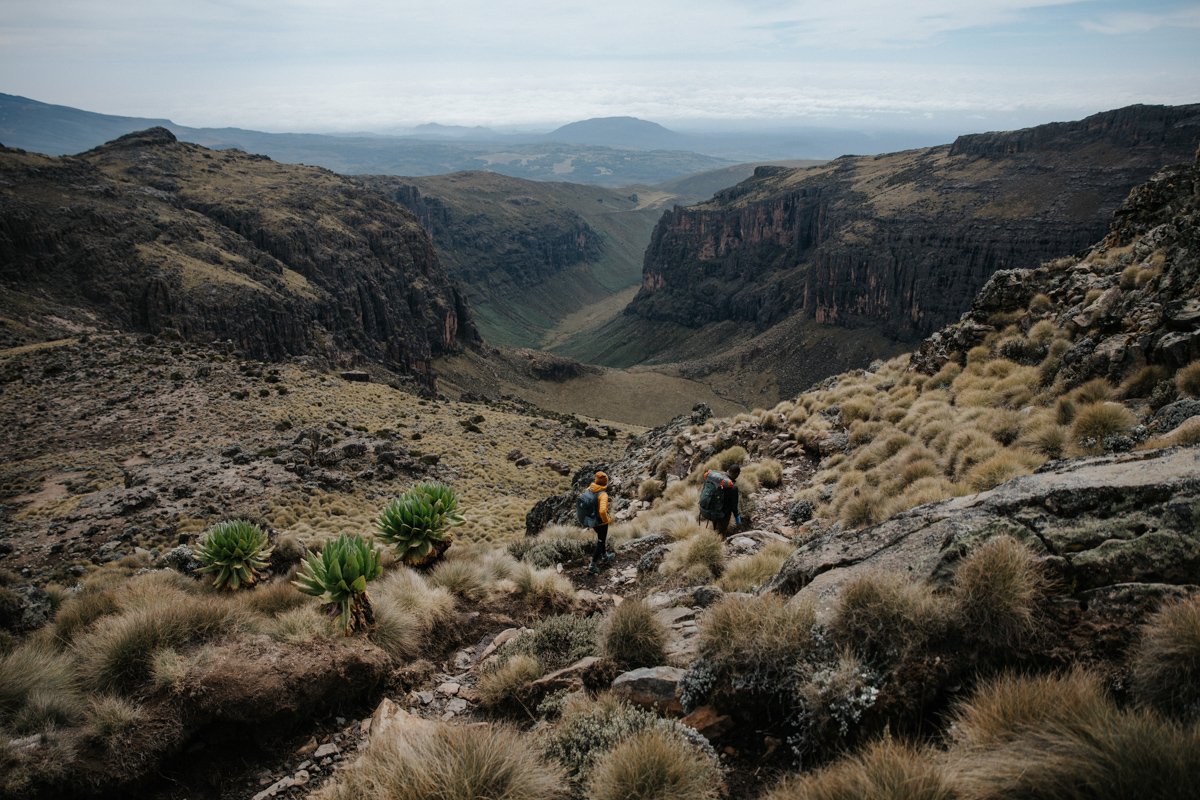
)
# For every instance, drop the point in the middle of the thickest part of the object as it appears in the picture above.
(885, 770)
(1187, 379)
(435, 761)
(633, 637)
(700, 557)
(996, 591)
(747, 574)
(654, 764)
(1166, 661)
(882, 616)
(1093, 423)
(754, 631)
(501, 685)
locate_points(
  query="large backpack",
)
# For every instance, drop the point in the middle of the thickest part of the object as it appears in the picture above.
(712, 494)
(587, 509)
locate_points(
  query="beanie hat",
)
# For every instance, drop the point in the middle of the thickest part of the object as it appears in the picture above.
(602, 479)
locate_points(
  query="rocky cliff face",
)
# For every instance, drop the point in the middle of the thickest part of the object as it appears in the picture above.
(903, 242)
(150, 234)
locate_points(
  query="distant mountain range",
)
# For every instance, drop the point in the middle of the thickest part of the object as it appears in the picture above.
(607, 151)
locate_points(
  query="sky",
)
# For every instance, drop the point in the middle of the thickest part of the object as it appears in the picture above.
(326, 65)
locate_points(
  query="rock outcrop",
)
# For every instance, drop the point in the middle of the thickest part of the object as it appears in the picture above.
(151, 235)
(903, 242)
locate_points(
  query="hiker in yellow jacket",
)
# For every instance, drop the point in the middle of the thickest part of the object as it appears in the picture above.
(597, 519)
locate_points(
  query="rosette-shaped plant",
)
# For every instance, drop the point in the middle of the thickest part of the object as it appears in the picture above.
(235, 553)
(418, 522)
(339, 574)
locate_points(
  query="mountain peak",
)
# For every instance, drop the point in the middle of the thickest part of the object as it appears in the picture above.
(629, 132)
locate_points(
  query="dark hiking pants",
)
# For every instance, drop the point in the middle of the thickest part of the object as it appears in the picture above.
(601, 543)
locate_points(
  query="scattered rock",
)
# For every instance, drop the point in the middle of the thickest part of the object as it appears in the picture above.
(652, 687)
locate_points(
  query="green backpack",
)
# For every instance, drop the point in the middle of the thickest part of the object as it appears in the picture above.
(712, 494)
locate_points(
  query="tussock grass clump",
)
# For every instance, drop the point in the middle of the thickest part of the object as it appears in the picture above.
(768, 473)
(747, 574)
(863, 508)
(80, 610)
(885, 770)
(110, 716)
(651, 489)
(300, 625)
(116, 654)
(726, 459)
(1063, 737)
(1048, 439)
(633, 637)
(543, 588)
(751, 633)
(1166, 662)
(398, 632)
(1097, 390)
(1142, 382)
(698, 558)
(1187, 380)
(37, 684)
(1000, 468)
(433, 761)
(461, 578)
(996, 591)
(1185, 435)
(409, 591)
(883, 615)
(546, 551)
(501, 684)
(274, 598)
(654, 764)
(1099, 420)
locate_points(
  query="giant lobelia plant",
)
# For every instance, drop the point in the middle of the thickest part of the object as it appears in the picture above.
(339, 575)
(418, 523)
(235, 553)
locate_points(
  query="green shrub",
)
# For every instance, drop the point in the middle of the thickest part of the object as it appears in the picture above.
(1187, 379)
(542, 553)
(588, 729)
(557, 641)
(884, 770)
(1166, 663)
(339, 575)
(434, 761)
(883, 616)
(235, 553)
(996, 590)
(633, 637)
(417, 524)
(654, 764)
(747, 574)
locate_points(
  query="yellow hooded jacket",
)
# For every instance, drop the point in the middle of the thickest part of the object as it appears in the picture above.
(600, 488)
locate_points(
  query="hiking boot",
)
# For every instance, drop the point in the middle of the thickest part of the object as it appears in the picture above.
(593, 568)
(610, 557)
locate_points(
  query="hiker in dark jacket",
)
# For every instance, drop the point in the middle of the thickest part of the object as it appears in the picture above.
(719, 493)
(599, 523)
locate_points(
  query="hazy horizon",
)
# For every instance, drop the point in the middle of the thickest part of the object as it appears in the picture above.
(868, 65)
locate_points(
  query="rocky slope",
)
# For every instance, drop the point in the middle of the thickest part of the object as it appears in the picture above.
(900, 243)
(149, 234)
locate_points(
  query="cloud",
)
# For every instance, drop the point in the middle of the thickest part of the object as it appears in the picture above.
(1137, 22)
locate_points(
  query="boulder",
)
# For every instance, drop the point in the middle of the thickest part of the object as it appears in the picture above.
(1108, 520)
(655, 688)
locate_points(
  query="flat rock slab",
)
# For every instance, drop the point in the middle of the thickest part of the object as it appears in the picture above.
(652, 687)
(1128, 518)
